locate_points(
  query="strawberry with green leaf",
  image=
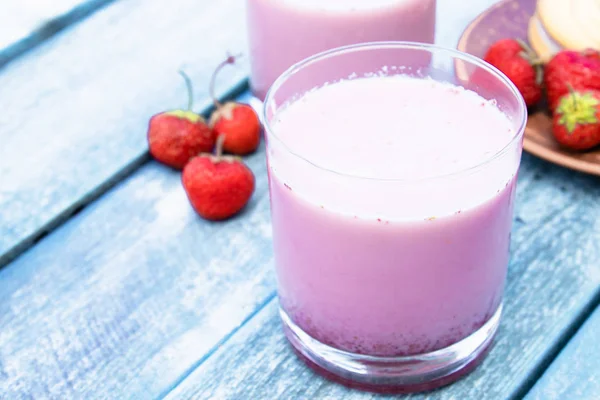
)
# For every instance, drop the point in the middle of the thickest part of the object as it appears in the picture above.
(576, 121)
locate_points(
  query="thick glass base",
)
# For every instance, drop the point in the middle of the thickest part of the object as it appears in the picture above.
(393, 374)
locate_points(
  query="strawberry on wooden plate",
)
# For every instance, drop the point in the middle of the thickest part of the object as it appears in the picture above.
(576, 122)
(520, 64)
(580, 70)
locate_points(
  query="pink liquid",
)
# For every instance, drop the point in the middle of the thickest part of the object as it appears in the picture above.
(283, 32)
(391, 267)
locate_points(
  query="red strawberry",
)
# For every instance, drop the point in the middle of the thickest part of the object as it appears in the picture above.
(519, 63)
(174, 137)
(237, 122)
(503, 49)
(240, 126)
(525, 76)
(217, 186)
(576, 121)
(581, 70)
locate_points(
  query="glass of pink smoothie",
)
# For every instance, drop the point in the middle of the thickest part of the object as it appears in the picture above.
(283, 32)
(392, 170)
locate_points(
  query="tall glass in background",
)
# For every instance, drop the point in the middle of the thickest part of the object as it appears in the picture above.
(283, 32)
(385, 282)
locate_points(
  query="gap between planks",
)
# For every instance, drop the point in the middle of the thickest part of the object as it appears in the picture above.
(50, 28)
(216, 347)
(96, 193)
(568, 334)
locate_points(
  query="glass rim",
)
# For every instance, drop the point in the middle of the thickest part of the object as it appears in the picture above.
(431, 48)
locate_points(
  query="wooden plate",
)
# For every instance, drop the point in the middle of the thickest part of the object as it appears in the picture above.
(509, 18)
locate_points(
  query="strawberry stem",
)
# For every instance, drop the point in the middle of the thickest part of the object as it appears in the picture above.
(219, 146)
(190, 89)
(229, 60)
(531, 54)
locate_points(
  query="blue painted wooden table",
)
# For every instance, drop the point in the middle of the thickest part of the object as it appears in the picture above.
(112, 288)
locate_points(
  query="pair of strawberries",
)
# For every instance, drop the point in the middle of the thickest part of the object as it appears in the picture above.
(572, 83)
(217, 186)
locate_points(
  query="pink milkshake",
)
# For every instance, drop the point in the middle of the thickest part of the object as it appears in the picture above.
(390, 269)
(392, 199)
(283, 32)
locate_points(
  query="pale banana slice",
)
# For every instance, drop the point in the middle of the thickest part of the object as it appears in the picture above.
(587, 15)
(544, 46)
(571, 23)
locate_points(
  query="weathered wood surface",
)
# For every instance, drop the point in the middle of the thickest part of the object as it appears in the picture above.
(575, 374)
(135, 297)
(75, 109)
(131, 294)
(25, 23)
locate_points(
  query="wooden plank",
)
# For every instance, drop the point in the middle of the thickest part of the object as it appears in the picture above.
(553, 277)
(574, 374)
(126, 299)
(132, 293)
(75, 110)
(26, 23)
